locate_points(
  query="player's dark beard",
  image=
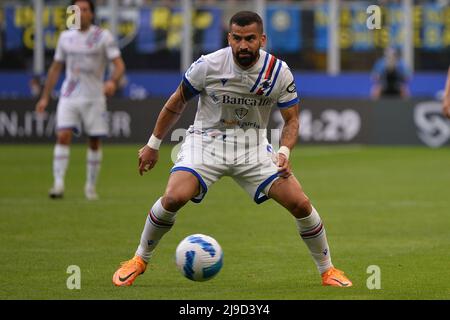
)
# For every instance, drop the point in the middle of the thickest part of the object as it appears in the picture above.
(246, 60)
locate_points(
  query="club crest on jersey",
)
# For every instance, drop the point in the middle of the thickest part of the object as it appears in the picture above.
(263, 86)
(223, 81)
(241, 113)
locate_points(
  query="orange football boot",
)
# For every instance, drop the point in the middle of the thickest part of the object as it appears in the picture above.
(128, 271)
(334, 277)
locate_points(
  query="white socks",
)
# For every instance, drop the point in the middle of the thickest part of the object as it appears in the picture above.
(93, 159)
(312, 231)
(159, 222)
(60, 161)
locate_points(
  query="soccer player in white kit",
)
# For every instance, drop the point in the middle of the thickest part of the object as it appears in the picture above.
(82, 103)
(238, 86)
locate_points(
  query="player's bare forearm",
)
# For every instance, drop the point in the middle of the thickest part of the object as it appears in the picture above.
(447, 84)
(113, 82)
(289, 133)
(172, 111)
(119, 70)
(446, 98)
(52, 77)
(168, 116)
(288, 140)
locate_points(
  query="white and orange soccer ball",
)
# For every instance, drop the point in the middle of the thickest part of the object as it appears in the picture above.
(199, 257)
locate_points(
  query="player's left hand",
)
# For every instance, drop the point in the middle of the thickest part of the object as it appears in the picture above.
(109, 88)
(446, 107)
(284, 166)
(447, 112)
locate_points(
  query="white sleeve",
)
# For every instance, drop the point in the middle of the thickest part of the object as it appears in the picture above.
(60, 54)
(288, 94)
(195, 76)
(111, 48)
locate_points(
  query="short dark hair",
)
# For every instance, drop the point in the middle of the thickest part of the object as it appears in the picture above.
(245, 18)
(91, 4)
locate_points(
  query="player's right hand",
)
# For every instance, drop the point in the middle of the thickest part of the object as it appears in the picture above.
(284, 166)
(41, 105)
(109, 88)
(147, 159)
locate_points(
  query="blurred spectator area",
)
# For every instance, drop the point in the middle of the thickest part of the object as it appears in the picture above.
(150, 32)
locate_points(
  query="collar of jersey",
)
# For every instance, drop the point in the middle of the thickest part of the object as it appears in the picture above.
(91, 27)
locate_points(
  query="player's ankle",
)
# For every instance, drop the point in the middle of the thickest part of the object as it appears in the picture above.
(89, 185)
(58, 184)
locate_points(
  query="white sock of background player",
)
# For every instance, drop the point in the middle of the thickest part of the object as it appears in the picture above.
(60, 162)
(94, 159)
(159, 222)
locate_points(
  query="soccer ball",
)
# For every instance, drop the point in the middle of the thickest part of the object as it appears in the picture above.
(199, 257)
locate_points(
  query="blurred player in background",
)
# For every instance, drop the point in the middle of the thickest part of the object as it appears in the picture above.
(238, 86)
(446, 99)
(390, 76)
(86, 54)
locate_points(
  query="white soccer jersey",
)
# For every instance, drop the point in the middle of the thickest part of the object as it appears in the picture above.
(233, 98)
(86, 55)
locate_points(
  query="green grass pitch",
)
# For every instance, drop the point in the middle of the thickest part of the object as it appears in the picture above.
(388, 207)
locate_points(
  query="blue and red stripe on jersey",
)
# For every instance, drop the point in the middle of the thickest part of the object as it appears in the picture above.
(260, 73)
(268, 75)
(266, 83)
(70, 88)
(274, 79)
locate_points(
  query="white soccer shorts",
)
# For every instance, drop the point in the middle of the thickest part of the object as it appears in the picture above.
(210, 158)
(89, 115)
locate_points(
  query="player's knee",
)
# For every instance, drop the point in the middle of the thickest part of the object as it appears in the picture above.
(301, 208)
(63, 137)
(94, 143)
(173, 201)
